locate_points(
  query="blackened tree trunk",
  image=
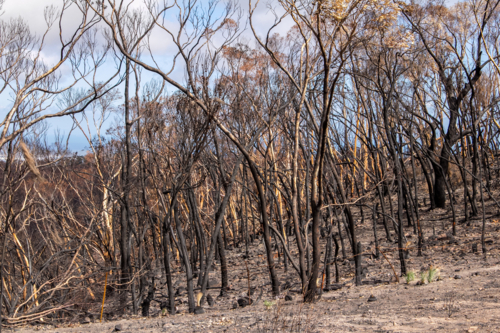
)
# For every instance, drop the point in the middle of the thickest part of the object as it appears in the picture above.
(262, 207)
(223, 266)
(375, 237)
(457, 81)
(267, 234)
(200, 234)
(295, 199)
(219, 218)
(440, 172)
(125, 265)
(166, 262)
(185, 258)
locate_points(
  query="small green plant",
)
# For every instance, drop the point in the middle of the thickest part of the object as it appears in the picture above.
(432, 273)
(423, 277)
(409, 277)
(268, 304)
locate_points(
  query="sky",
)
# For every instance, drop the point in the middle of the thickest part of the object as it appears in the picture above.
(32, 12)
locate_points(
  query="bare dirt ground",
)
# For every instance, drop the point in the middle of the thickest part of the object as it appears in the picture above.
(465, 297)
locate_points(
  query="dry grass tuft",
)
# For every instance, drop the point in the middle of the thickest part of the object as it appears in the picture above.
(288, 318)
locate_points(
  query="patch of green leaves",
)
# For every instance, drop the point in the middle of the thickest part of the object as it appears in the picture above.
(268, 304)
(409, 277)
(432, 274)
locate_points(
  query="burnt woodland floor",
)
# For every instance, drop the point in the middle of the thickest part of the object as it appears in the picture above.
(464, 297)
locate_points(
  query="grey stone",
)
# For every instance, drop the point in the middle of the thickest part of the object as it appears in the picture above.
(210, 300)
(244, 301)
